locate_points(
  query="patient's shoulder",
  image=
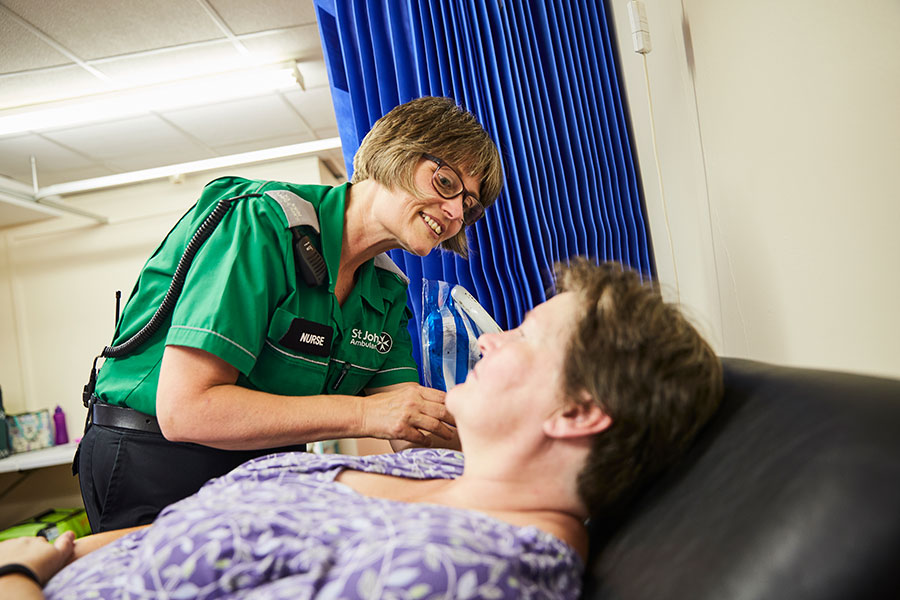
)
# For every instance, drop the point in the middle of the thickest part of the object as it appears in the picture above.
(563, 527)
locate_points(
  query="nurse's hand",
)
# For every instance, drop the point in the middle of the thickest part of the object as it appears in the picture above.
(408, 412)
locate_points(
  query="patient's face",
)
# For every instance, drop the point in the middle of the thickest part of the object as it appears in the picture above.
(519, 377)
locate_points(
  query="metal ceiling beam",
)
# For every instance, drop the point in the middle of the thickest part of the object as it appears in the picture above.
(18, 194)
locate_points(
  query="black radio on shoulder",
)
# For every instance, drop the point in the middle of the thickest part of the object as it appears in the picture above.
(309, 260)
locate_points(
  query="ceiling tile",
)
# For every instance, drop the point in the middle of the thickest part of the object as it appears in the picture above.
(298, 42)
(15, 161)
(24, 50)
(245, 17)
(171, 63)
(34, 87)
(326, 132)
(264, 144)
(98, 29)
(67, 175)
(239, 121)
(177, 153)
(136, 42)
(144, 136)
(314, 106)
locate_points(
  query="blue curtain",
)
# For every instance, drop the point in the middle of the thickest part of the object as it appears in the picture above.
(542, 78)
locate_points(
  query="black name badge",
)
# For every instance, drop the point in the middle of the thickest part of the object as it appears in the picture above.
(308, 337)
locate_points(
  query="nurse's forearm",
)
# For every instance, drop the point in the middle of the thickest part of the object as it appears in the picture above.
(235, 418)
(198, 401)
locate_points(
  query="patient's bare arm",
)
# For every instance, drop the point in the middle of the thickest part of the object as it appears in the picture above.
(88, 544)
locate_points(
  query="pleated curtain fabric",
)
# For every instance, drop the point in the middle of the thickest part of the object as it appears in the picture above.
(543, 79)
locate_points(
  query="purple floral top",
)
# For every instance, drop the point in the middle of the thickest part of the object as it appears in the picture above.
(281, 527)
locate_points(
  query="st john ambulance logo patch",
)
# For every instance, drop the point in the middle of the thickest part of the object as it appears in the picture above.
(381, 343)
(385, 344)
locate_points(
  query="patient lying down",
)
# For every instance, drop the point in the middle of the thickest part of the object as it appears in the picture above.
(598, 390)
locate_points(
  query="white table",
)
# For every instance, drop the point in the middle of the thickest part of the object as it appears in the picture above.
(35, 459)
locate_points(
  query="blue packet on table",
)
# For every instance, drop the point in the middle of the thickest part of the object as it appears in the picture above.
(452, 320)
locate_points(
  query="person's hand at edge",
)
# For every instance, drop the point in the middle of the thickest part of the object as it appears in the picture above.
(35, 553)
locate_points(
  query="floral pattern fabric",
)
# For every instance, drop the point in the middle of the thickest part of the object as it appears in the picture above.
(280, 526)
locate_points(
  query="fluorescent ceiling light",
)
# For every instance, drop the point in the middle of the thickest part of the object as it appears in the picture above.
(150, 99)
(74, 187)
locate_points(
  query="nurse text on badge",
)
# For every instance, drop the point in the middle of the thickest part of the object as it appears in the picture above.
(308, 337)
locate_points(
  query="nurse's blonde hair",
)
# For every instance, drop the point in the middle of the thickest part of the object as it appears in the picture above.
(394, 146)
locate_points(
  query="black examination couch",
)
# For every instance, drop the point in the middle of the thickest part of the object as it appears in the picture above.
(793, 492)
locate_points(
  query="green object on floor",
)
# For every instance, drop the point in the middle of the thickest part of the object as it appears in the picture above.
(50, 524)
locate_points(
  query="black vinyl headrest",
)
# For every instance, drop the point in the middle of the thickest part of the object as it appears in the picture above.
(792, 491)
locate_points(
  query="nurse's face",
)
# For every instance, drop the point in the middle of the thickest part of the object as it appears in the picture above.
(421, 223)
(518, 382)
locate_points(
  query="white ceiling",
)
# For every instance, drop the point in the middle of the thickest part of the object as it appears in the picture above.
(56, 50)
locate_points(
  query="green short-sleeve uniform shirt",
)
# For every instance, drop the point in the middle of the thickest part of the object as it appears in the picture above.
(244, 302)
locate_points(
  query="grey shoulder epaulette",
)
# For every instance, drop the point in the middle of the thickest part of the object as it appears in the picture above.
(383, 261)
(297, 211)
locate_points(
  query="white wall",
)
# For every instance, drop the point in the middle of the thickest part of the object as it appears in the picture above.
(778, 136)
(58, 279)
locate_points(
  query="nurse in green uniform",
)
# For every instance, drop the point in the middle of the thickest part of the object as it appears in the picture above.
(257, 354)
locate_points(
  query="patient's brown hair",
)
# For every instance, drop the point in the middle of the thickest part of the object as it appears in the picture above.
(649, 370)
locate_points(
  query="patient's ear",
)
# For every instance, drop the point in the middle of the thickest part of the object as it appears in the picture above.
(577, 419)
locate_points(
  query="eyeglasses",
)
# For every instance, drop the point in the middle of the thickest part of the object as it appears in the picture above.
(447, 182)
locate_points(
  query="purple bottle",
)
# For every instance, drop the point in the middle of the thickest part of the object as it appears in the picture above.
(59, 425)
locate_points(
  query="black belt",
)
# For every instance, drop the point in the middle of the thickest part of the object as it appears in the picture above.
(110, 415)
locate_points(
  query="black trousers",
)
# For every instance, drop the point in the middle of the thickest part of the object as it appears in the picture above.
(127, 477)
